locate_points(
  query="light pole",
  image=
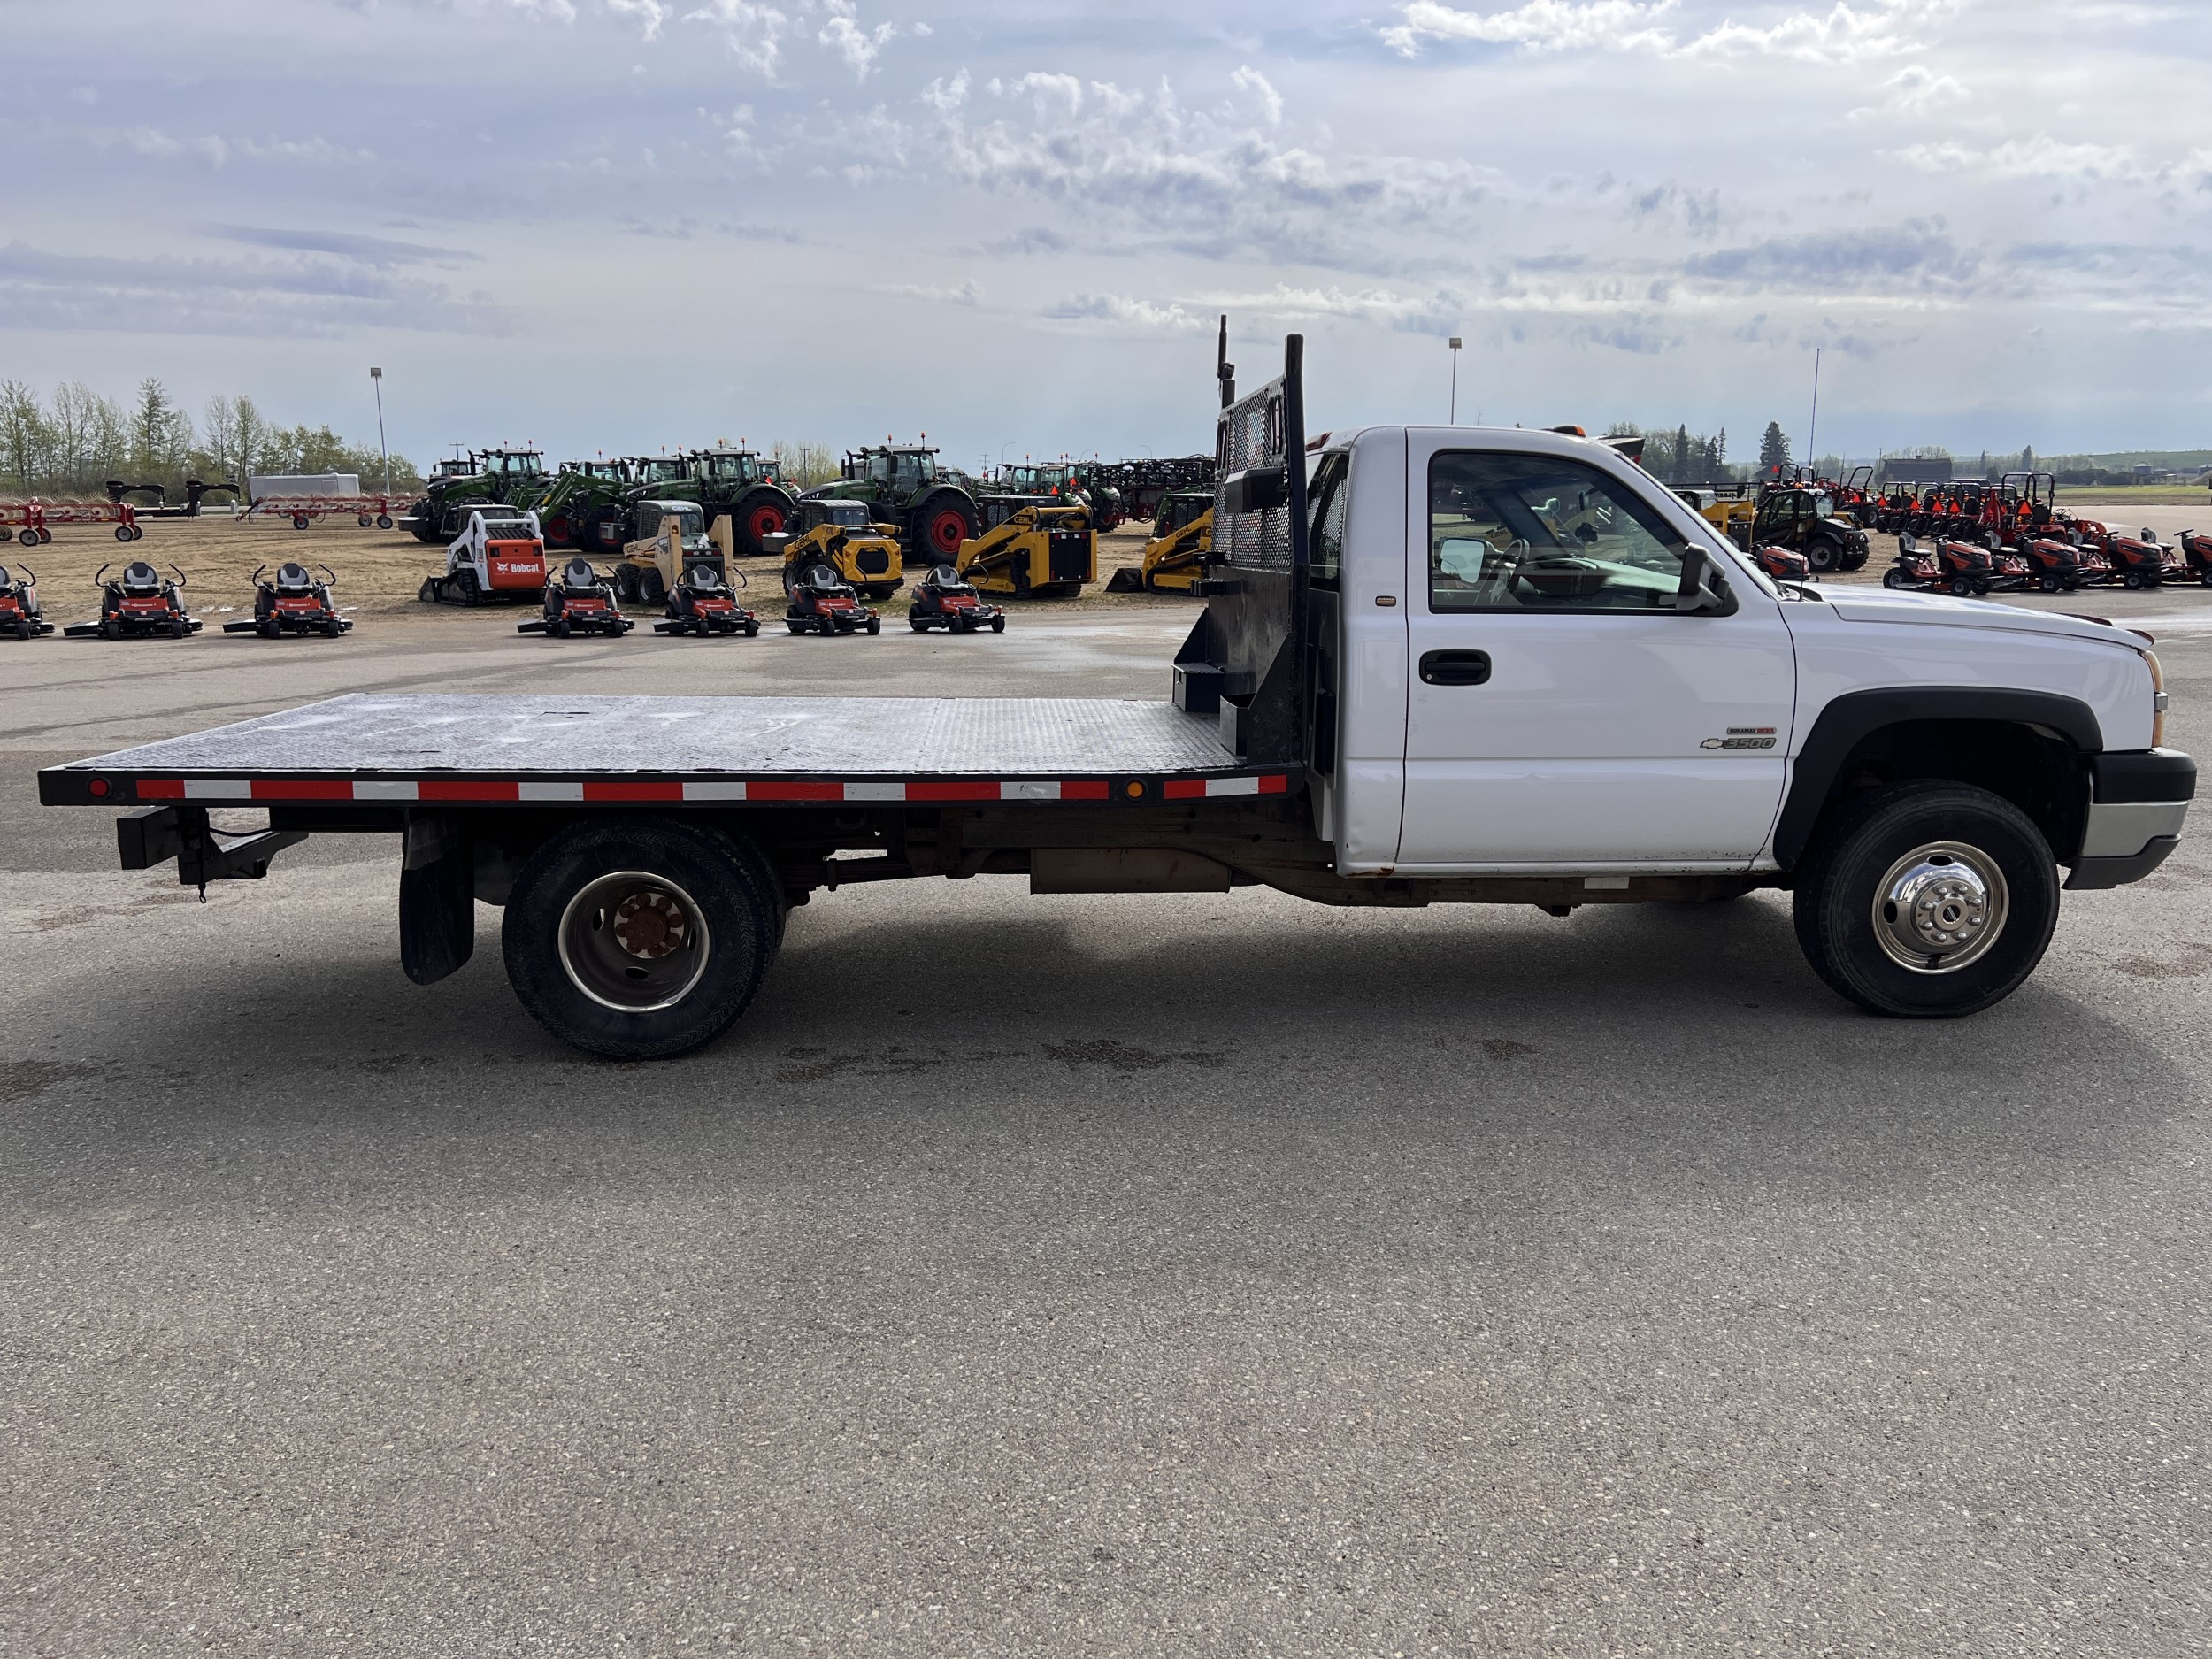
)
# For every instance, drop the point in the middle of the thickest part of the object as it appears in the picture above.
(1812, 432)
(1454, 420)
(376, 380)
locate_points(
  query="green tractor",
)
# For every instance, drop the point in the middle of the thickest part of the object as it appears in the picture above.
(492, 478)
(584, 505)
(1069, 482)
(740, 486)
(932, 506)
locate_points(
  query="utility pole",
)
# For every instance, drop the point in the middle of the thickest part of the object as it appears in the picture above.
(376, 380)
(1453, 421)
(1812, 455)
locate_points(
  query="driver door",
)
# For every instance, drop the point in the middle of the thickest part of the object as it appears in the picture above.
(1564, 713)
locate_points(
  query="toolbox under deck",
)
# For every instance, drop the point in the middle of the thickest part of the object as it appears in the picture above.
(371, 748)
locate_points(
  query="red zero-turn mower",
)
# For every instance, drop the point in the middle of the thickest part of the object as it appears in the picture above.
(944, 600)
(1783, 565)
(294, 602)
(19, 604)
(580, 601)
(702, 603)
(140, 603)
(823, 601)
(2196, 554)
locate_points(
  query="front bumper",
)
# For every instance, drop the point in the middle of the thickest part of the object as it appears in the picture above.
(2139, 801)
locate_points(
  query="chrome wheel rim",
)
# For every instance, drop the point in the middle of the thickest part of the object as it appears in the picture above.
(633, 941)
(1940, 907)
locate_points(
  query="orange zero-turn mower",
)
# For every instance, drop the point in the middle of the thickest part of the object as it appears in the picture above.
(702, 603)
(944, 600)
(19, 604)
(823, 601)
(295, 602)
(142, 604)
(578, 600)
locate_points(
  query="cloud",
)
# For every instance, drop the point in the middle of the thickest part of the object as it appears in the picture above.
(752, 32)
(2040, 157)
(1918, 256)
(1841, 35)
(967, 293)
(1125, 312)
(251, 298)
(1253, 81)
(858, 46)
(369, 250)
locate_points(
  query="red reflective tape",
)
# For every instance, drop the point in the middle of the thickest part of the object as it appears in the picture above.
(467, 790)
(1085, 789)
(1276, 783)
(794, 792)
(161, 788)
(952, 792)
(1184, 788)
(302, 790)
(633, 792)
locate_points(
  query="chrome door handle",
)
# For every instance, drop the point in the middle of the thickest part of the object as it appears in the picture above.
(1454, 668)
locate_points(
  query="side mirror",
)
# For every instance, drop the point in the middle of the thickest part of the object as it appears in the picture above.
(1704, 590)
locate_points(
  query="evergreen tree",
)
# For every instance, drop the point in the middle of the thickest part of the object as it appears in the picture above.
(1774, 448)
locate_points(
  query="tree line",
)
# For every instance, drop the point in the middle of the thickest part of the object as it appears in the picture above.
(72, 443)
(1684, 458)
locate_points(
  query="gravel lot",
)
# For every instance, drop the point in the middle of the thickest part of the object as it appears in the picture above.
(1159, 1276)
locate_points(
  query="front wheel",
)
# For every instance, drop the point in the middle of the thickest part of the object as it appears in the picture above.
(641, 939)
(1893, 578)
(1927, 900)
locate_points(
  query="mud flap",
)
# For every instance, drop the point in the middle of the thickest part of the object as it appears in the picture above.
(437, 898)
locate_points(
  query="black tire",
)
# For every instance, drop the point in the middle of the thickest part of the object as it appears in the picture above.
(464, 583)
(1893, 578)
(652, 589)
(1822, 553)
(122, 533)
(422, 521)
(384, 522)
(717, 890)
(2048, 584)
(1843, 917)
(918, 625)
(930, 530)
(299, 521)
(998, 623)
(875, 625)
(759, 513)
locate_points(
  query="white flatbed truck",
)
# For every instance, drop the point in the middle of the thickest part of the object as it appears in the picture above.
(1436, 665)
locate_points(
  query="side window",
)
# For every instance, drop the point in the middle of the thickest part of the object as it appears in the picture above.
(1327, 500)
(1534, 533)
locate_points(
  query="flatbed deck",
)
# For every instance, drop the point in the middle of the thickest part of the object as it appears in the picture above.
(492, 750)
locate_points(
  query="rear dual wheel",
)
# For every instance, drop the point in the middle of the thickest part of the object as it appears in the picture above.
(641, 939)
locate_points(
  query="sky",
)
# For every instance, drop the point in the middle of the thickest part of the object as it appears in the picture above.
(615, 225)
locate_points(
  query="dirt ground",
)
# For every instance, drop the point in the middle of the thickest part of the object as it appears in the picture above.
(379, 571)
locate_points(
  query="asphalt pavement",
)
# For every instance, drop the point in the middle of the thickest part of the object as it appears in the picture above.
(1192, 1275)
